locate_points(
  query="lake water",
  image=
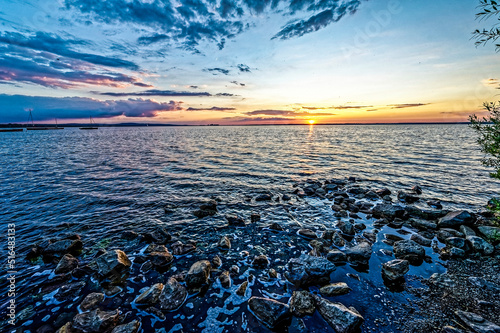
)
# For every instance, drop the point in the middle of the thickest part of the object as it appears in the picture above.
(110, 180)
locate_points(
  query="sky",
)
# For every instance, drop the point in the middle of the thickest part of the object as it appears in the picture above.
(243, 62)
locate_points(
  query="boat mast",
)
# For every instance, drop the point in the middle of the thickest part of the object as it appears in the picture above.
(30, 117)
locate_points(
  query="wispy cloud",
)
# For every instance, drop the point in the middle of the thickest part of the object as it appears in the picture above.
(217, 70)
(287, 113)
(213, 108)
(410, 105)
(340, 107)
(244, 68)
(238, 83)
(156, 92)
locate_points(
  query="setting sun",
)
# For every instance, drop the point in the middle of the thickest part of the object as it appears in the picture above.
(311, 122)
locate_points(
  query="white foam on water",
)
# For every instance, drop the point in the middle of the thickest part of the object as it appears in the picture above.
(45, 272)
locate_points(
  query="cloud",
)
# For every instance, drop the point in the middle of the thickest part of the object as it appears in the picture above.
(217, 70)
(491, 83)
(340, 107)
(410, 105)
(225, 95)
(258, 119)
(213, 108)
(287, 113)
(155, 92)
(244, 68)
(48, 108)
(238, 83)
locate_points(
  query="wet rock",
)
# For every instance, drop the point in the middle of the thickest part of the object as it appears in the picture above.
(66, 264)
(441, 281)
(151, 295)
(336, 256)
(338, 240)
(132, 327)
(129, 235)
(224, 243)
(335, 289)
(242, 289)
(417, 189)
(72, 246)
(111, 262)
(409, 250)
(480, 245)
(456, 219)
(66, 328)
(160, 259)
(216, 262)
(359, 226)
(91, 301)
(198, 274)
(370, 236)
(270, 312)
(423, 224)
(70, 290)
(160, 235)
(235, 220)
(346, 227)
(444, 234)
(173, 295)
(391, 238)
(467, 231)
(207, 209)
(112, 291)
(320, 245)
(338, 316)
(272, 273)
(307, 233)
(286, 197)
(421, 240)
(477, 323)
(492, 234)
(155, 248)
(263, 197)
(276, 227)
(328, 234)
(436, 204)
(302, 303)
(260, 261)
(456, 242)
(307, 270)
(395, 269)
(359, 254)
(178, 248)
(95, 320)
(255, 217)
(387, 210)
(234, 270)
(225, 279)
(407, 197)
(297, 325)
(456, 253)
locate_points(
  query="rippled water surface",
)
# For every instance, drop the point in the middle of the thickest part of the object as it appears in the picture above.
(114, 179)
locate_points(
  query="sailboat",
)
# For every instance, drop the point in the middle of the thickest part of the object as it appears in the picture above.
(33, 128)
(57, 126)
(90, 127)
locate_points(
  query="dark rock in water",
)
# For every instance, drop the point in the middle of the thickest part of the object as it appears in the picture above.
(391, 238)
(441, 281)
(272, 273)
(72, 246)
(66, 264)
(225, 280)
(95, 320)
(91, 301)
(395, 269)
(132, 327)
(207, 209)
(263, 197)
(331, 187)
(151, 295)
(383, 192)
(286, 197)
(456, 242)
(387, 210)
(480, 245)
(434, 204)
(421, 240)
(370, 236)
(477, 323)
(69, 291)
(359, 254)
(380, 223)
(407, 197)
(359, 226)
(198, 274)
(178, 248)
(444, 234)
(161, 236)
(66, 328)
(255, 217)
(235, 220)
(492, 234)
(371, 195)
(338, 316)
(216, 262)
(260, 261)
(423, 224)
(320, 246)
(335, 289)
(224, 243)
(346, 227)
(155, 248)
(209, 205)
(270, 312)
(160, 259)
(456, 219)
(234, 270)
(467, 231)
(307, 233)
(111, 262)
(173, 295)
(409, 250)
(328, 234)
(302, 303)
(129, 235)
(452, 252)
(338, 240)
(297, 325)
(276, 227)
(416, 189)
(242, 288)
(351, 179)
(307, 270)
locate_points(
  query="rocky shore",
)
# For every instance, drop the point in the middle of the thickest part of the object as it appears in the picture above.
(239, 272)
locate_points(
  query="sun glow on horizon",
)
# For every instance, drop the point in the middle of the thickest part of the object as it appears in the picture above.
(311, 122)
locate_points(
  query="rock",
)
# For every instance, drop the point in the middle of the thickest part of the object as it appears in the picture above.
(207, 209)
(441, 281)
(421, 240)
(467, 231)
(66, 264)
(151, 295)
(155, 248)
(178, 248)
(255, 217)
(346, 227)
(456, 253)
(423, 224)
(260, 261)
(72, 246)
(307, 233)
(235, 220)
(370, 236)
(160, 235)
(328, 234)
(234, 270)
(225, 280)
(417, 189)
(95, 320)
(451, 329)
(391, 238)
(336, 256)
(456, 219)
(272, 273)
(270, 312)
(216, 262)
(335, 289)
(286, 197)
(338, 240)
(320, 245)
(91, 300)
(160, 259)
(224, 243)
(302, 303)
(307, 270)
(263, 197)
(69, 291)
(276, 227)
(112, 262)
(409, 250)
(129, 235)
(297, 325)
(173, 295)
(436, 204)
(445, 233)
(65, 329)
(383, 192)
(338, 316)
(198, 274)
(477, 323)
(387, 210)
(407, 197)
(480, 245)
(132, 327)
(242, 289)
(359, 254)
(456, 242)
(395, 269)
(492, 234)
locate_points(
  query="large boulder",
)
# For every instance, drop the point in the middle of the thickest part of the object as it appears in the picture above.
(115, 261)
(395, 269)
(302, 303)
(307, 270)
(198, 274)
(456, 219)
(95, 320)
(480, 245)
(270, 312)
(338, 316)
(409, 250)
(173, 295)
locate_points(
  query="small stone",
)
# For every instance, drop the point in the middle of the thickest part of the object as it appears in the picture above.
(216, 262)
(132, 327)
(260, 261)
(409, 250)
(95, 320)
(69, 291)
(276, 227)
(234, 269)
(198, 274)
(359, 254)
(338, 316)
(335, 289)
(421, 240)
(456, 242)
(255, 217)
(480, 245)
(225, 280)
(456, 219)
(72, 246)
(111, 262)
(395, 269)
(302, 303)
(160, 259)
(151, 295)
(272, 273)
(423, 224)
(347, 228)
(337, 240)
(263, 197)
(173, 295)
(91, 300)
(270, 312)
(235, 220)
(179, 249)
(66, 264)
(242, 289)
(492, 234)
(224, 243)
(307, 270)
(307, 233)
(336, 256)
(129, 235)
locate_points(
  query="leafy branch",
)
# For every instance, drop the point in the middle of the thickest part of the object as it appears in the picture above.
(487, 10)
